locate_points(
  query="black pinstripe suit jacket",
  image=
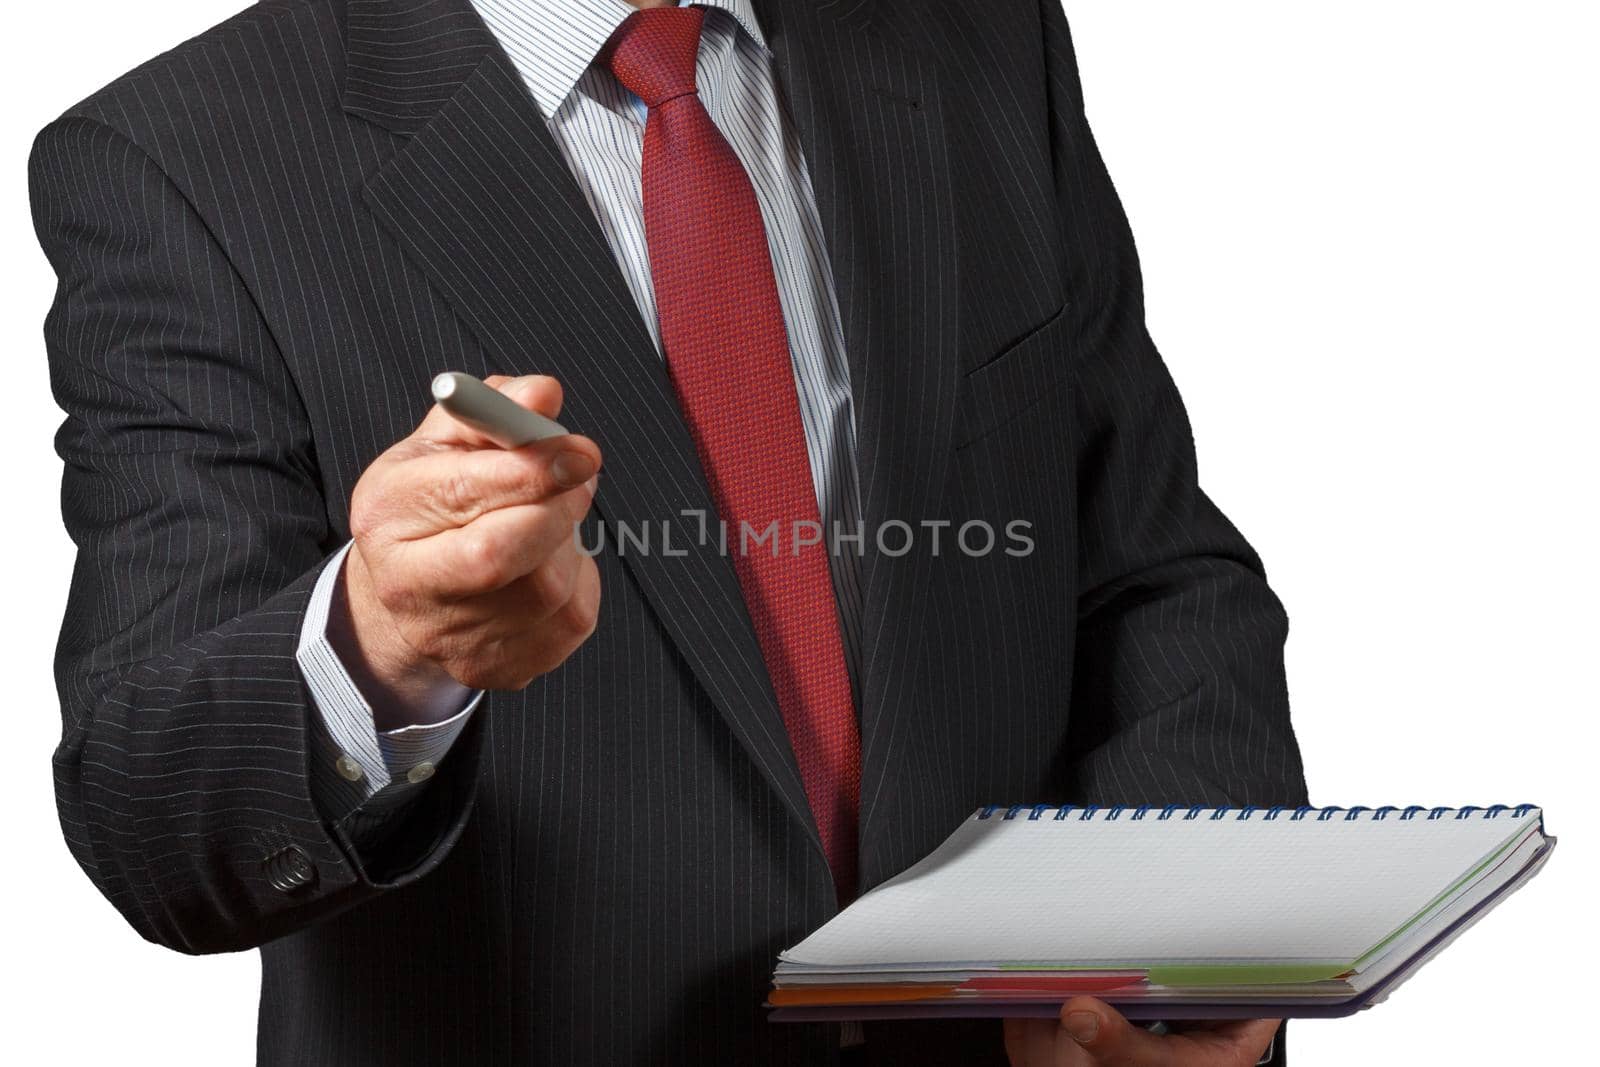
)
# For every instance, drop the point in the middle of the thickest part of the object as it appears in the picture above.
(271, 237)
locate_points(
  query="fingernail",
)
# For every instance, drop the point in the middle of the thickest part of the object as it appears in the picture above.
(572, 469)
(1082, 1025)
(593, 485)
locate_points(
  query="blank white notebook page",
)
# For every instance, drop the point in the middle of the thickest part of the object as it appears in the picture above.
(1159, 891)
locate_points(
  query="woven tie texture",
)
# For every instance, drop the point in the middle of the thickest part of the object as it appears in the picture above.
(727, 353)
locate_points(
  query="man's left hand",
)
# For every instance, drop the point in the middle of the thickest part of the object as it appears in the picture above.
(1089, 1033)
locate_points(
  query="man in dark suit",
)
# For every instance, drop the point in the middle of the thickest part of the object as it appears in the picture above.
(852, 268)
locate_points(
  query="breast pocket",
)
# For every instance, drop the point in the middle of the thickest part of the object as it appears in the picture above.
(1021, 375)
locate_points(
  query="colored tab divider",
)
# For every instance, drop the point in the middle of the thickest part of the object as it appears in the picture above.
(1064, 983)
(1246, 974)
(810, 995)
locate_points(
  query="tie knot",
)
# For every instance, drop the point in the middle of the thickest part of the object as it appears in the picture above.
(653, 52)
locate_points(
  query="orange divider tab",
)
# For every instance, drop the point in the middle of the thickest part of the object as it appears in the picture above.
(1099, 983)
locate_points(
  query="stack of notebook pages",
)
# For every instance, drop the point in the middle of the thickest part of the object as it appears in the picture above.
(1167, 913)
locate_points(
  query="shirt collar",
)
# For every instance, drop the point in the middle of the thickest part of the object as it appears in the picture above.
(552, 42)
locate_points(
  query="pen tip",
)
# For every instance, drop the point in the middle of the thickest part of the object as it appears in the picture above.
(443, 385)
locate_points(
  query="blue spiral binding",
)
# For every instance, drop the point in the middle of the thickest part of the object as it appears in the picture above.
(1215, 813)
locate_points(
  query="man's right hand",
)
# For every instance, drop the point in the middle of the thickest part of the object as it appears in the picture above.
(466, 564)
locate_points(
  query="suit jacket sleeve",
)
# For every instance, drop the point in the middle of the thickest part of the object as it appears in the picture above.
(192, 494)
(1179, 692)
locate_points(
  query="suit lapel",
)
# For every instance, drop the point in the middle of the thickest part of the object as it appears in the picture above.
(866, 106)
(483, 202)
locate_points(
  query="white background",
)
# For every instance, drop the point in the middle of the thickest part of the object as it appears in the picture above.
(1370, 237)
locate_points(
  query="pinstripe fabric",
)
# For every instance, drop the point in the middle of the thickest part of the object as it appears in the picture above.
(327, 192)
(722, 328)
(599, 127)
(353, 763)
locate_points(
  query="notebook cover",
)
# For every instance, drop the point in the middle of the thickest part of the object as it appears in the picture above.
(1178, 1009)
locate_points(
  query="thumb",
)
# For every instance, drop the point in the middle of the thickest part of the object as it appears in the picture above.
(540, 392)
(1109, 1038)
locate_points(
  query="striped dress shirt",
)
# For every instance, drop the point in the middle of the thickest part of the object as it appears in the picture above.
(267, 241)
(599, 127)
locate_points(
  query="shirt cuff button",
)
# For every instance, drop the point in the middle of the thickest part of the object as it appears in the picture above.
(348, 769)
(420, 773)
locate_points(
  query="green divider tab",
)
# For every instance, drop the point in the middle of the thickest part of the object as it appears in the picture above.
(1237, 974)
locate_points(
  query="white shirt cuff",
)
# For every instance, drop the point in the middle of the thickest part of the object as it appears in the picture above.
(352, 760)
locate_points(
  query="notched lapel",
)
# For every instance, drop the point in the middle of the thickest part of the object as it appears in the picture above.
(483, 202)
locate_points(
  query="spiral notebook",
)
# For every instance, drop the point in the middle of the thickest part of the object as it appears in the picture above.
(1176, 912)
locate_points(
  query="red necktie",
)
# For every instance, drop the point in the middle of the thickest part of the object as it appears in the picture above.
(728, 356)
